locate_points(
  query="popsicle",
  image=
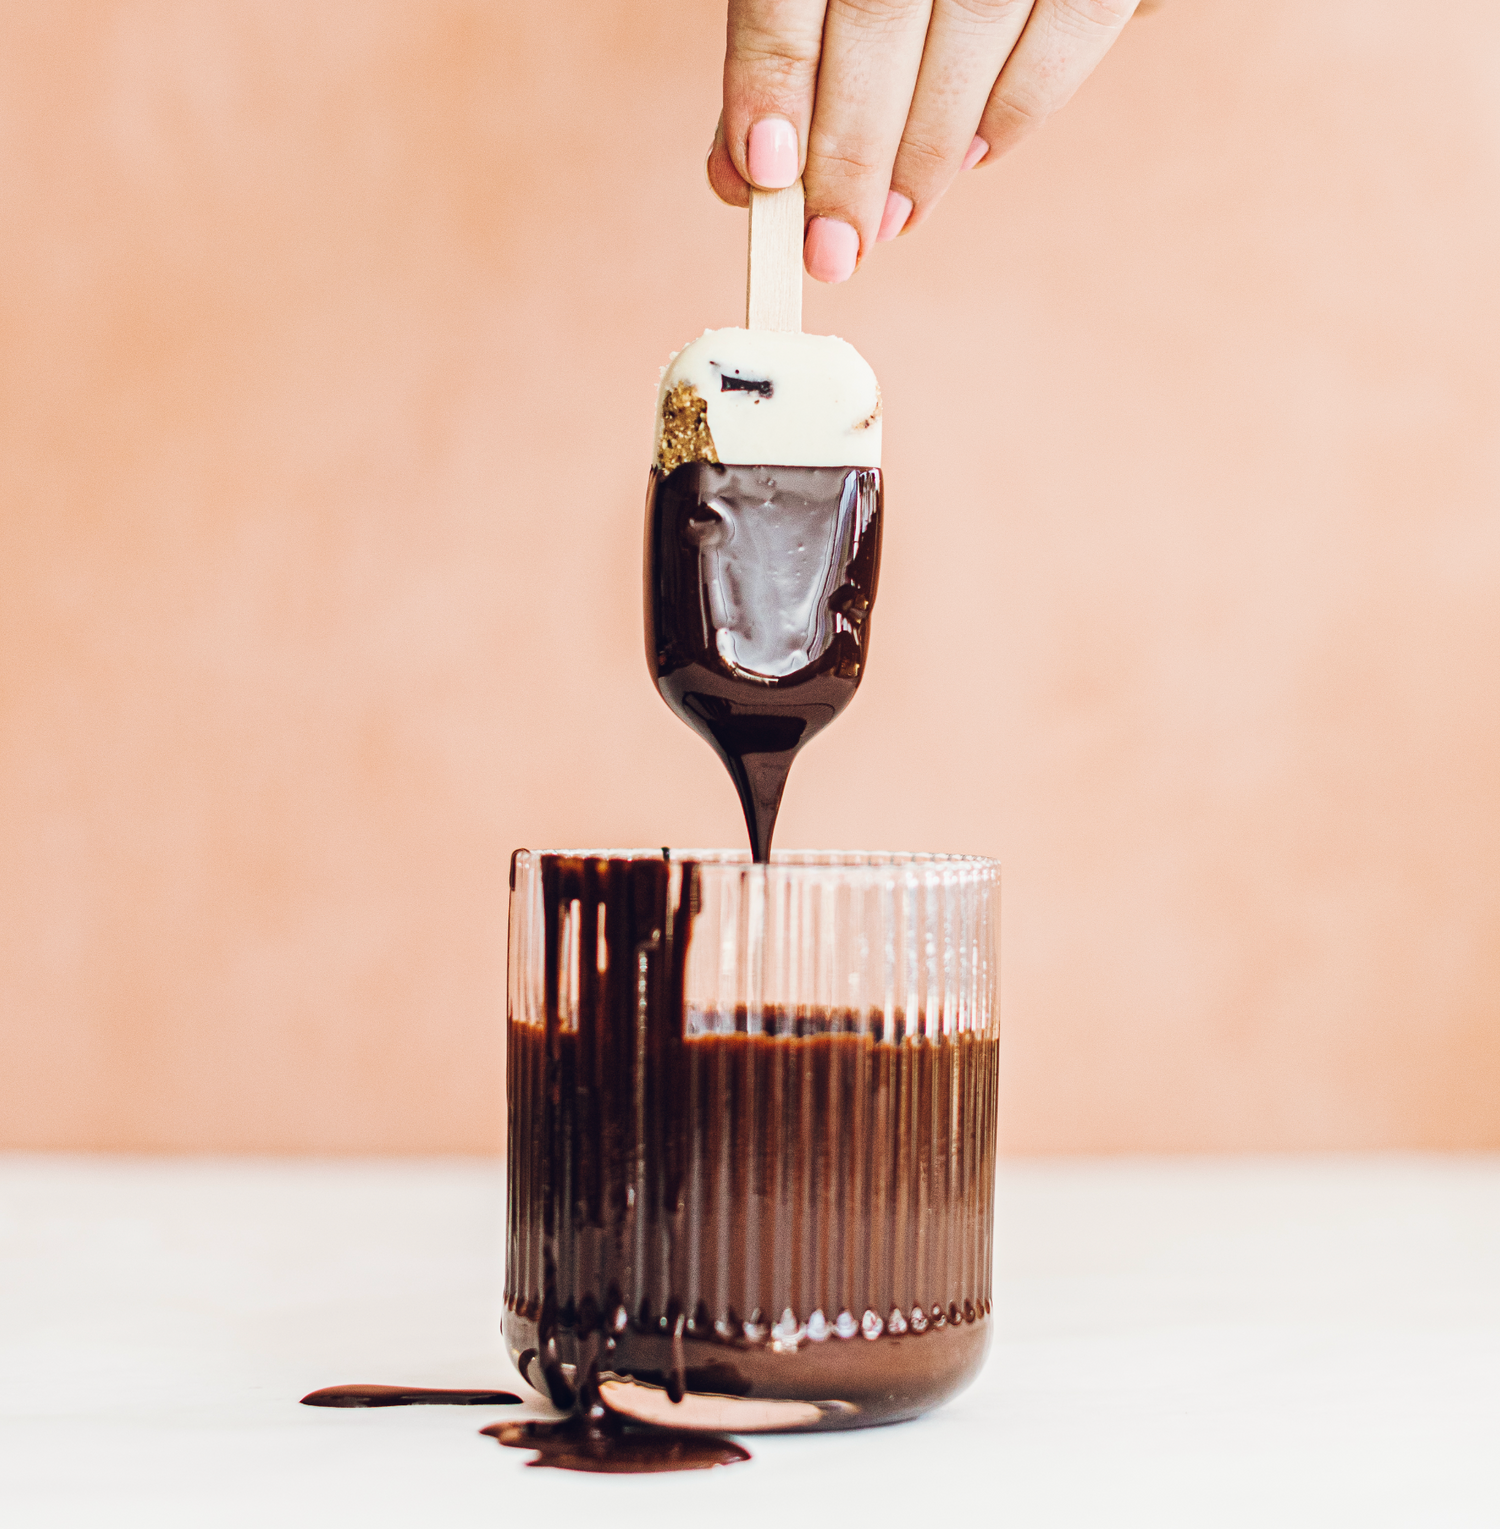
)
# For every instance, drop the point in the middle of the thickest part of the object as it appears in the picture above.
(763, 520)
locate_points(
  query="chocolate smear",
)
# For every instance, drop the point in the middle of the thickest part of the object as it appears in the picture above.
(406, 1396)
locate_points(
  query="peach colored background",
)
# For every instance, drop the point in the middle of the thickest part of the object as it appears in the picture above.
(1190, 611)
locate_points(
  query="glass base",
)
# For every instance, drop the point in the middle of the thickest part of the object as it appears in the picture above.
(725, 1387)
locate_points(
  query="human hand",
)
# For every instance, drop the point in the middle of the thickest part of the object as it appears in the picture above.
(879, 104)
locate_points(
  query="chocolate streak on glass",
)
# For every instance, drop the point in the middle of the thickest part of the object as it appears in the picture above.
(798, 1216)
(759, 584)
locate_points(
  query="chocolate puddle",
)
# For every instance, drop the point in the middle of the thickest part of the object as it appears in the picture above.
(598, 1442)
(595, 1440)
(406, 1396)
(759, 583)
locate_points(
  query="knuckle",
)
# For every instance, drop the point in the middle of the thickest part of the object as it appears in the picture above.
(779, 40)
(842, 162)
(777, 51)
(881, 15)
(775, 28)
(1084, 16)
(922, 158)
(987, 12)
(1012, 113)
(775, 68)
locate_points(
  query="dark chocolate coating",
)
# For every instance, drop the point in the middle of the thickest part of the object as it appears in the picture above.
(759, 585)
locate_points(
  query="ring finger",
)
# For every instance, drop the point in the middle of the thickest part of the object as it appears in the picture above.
(968, 42)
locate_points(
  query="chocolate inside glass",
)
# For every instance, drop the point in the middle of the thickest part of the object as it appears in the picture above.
(751, 1135)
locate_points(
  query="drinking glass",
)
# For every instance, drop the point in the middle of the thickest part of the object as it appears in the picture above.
(751, 1132)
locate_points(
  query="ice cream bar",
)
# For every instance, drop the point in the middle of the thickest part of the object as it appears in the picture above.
(745, 397)
(763, 520)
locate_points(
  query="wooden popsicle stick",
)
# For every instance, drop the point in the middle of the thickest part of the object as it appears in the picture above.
(773, 292)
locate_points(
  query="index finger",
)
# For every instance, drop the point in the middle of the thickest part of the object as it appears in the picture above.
(770, 76)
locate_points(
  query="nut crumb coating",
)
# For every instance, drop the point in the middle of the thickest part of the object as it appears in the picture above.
(684, 435)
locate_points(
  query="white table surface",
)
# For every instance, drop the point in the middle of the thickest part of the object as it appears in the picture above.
(1205, 1343)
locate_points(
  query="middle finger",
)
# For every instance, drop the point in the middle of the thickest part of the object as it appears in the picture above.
(872, 51)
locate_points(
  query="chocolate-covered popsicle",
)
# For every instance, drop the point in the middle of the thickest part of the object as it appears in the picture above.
(762, 547)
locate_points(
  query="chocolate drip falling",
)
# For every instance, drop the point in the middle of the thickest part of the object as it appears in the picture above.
(728, 1230)
(759, 584)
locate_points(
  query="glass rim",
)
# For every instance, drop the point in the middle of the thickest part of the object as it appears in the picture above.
(781, 859)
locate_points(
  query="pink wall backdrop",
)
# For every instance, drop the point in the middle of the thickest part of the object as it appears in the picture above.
(1190, 608)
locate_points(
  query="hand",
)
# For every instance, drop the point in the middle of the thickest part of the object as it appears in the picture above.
(878, 104)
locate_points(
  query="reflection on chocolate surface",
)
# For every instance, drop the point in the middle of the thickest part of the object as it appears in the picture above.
(759, 584)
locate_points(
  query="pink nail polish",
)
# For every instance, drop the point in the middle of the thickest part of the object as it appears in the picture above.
(977, 150)
(831, 250)
(897, 211)
(771, 153)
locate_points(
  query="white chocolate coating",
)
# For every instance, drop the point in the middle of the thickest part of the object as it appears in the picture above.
(818, 406)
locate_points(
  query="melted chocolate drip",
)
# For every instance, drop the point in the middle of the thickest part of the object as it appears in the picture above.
(406, 1396)
(600, 1443)
(759, 584)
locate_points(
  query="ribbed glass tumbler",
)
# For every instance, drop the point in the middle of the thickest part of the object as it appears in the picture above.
(752, 1133)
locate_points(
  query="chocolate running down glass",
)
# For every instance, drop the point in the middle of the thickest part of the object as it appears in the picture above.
(751, 1133)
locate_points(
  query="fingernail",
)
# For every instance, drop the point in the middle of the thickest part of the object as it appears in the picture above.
(897, 211)
(977, 150)
(771, 153)
(831, 250)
